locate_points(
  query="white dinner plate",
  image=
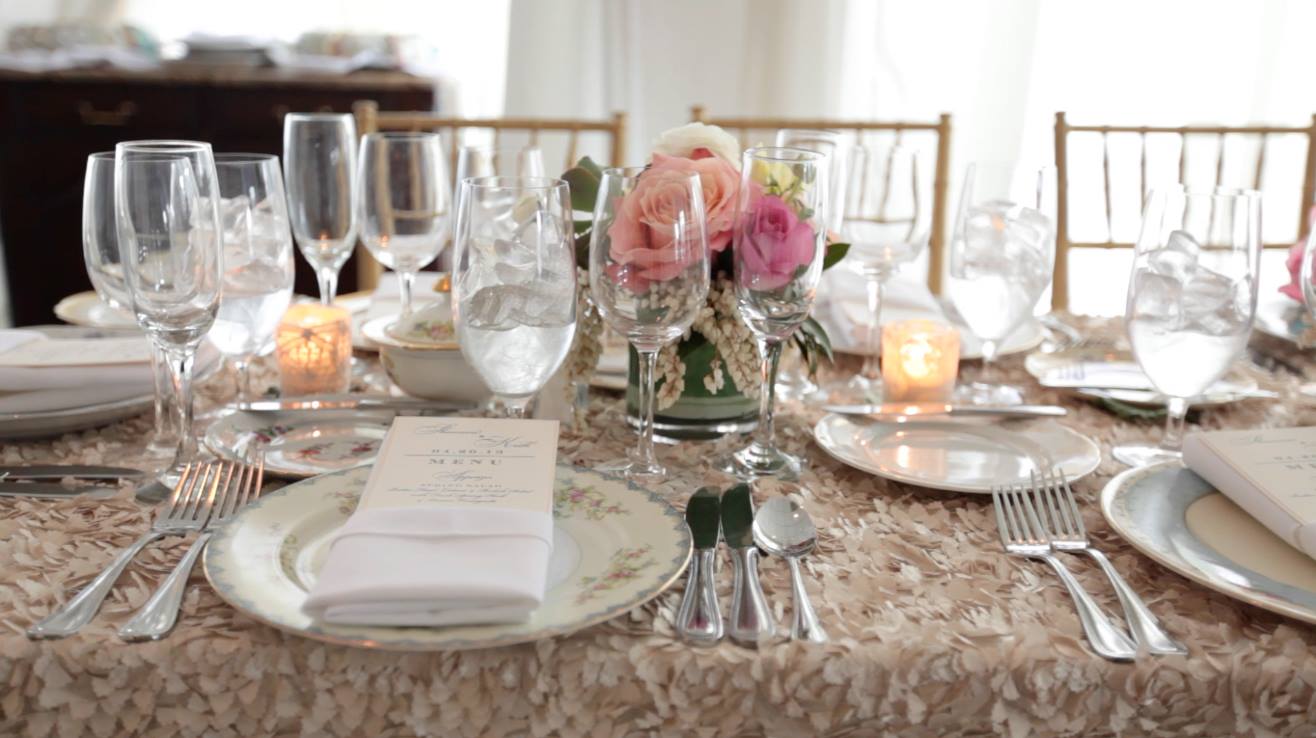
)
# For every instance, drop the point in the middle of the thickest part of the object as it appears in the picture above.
(1181, 522)
(86, 309)
(1123, 380)
(1282, 318)
(956, 456)
(300, 444)
(615, 547)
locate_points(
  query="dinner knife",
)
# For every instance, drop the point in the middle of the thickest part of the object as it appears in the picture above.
(351, 403)
(897, 412)
(53, 490)
(699, 620)
(751, 618)
(60, 471)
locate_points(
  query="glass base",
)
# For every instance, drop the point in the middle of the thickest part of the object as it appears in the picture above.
(856, 390)
(756, 460)
(633, 469)
(794, 385)
(993, 395)
(1144, 454)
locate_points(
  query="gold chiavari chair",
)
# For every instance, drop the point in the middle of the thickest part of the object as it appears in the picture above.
(1063, 130)
(370, 119)
(744, 129)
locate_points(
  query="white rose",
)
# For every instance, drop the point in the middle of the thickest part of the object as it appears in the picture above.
(683, 140)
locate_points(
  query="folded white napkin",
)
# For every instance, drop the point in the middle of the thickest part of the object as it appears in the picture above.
(426, 566)
(842, 306)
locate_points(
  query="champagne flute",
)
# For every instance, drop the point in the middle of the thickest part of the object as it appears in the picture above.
(404, 209)
(319, 160)
(778, 246)
(1001, 260)
(257, 257)
(1192, 297)
(514, 283)
(649, 273)
(887, 225)
(167, 211)
(100, 251)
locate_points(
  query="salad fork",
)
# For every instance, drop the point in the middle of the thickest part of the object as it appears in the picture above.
(1063, 525)
(1022, 535)
(187, 510)
(160, 613)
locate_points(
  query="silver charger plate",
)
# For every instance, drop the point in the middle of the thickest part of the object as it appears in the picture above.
(616, 546)
(1180, 521)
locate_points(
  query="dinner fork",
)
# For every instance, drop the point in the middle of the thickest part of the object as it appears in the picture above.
(186, 511)
(1022, 535)
(1063, 525)
(157, 617)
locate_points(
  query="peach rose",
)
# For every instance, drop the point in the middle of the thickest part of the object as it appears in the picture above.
(645, 244)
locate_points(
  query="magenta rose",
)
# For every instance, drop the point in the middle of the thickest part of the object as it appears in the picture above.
(1294, 288)
(775, 244)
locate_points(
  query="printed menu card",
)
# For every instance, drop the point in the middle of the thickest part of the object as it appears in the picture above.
(1270, 473)
(455, 526)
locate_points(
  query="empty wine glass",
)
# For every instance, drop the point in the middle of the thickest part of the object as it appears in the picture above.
(319, 163)
(167, 206)
(1001, 258)
(648, 273)
(258, 260)
(887, 224)
(1191, 300)
(404, 209)
(100, 251)
(778, 246)
(514, 283)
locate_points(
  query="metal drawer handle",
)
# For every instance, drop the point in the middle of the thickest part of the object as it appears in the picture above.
(117, 117)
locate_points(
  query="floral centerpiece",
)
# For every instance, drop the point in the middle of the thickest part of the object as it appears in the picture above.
(709, 381)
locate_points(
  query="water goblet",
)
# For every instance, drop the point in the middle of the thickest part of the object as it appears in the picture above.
(649, 273)
(319, 163)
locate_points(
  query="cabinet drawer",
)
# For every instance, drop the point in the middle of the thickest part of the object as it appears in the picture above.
(78, 105)
(261, 111)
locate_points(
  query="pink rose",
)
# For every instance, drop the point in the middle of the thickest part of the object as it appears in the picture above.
(720, 182)
(1294, 288)
(774, 244)
(643, 239)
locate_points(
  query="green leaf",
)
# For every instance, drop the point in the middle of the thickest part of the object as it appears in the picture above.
(591, 166)
(582, 251)
(583, 179)
(582, 226)
(835, 252)
(813, 331)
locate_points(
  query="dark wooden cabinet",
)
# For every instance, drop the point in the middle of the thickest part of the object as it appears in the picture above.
(52, 122)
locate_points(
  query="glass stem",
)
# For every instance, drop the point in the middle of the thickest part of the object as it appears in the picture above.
(770, 351)
(644, 455)
(872, 367)
(180, 374)
(516, 407)
(988, 374)
(1177, 408)
(405, 282)
(164, 417)
(328, 279)
(243, 366)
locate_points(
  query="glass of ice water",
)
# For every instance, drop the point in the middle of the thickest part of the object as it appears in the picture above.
(258, 260)
(1192, 296)
(403, 201)
(1002, 255)
(514, 282)
(648, 273)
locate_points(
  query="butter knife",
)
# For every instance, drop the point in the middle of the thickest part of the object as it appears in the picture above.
(60, 471)
(350, 403)
(699, 620)
(896, 412)
(751, 618)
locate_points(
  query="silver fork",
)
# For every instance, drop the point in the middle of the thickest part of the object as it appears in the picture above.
(186, 511)
(1064, 526)
(157, 617)
(1022, 535)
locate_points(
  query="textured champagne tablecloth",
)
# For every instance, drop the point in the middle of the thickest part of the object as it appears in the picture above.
(935, 632)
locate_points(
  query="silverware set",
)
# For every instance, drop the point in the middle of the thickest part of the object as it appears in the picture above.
(780, 528)
(1041, 520)
(207, 494)
(46, 480)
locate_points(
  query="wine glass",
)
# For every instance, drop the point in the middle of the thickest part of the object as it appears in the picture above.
(1001, 259)
(319, 163)
(498, 161)
(649, 273)
(778, 250)
(257, 258)
(1192, 297)
(793, 382)
(100, 251)
(403, 204)
(887, 224)
(514, 283)
(167, 212)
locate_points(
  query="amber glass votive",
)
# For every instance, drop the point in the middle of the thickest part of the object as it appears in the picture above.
(920, 359)
(314, 345)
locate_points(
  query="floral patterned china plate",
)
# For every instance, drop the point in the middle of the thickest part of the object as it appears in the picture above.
(957, 456)
(301, 444)
(615, 547)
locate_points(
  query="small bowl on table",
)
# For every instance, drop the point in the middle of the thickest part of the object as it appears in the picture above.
(422, 357)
